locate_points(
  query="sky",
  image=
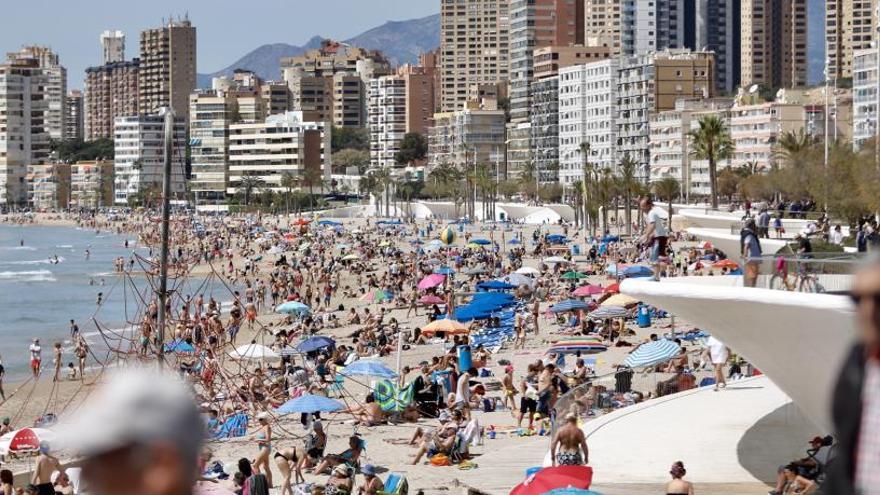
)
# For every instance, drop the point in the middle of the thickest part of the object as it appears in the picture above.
(227, 29)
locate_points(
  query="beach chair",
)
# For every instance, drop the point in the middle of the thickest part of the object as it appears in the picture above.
(395, 484)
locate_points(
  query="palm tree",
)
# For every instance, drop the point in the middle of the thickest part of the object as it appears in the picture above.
(712, 142)
(604, 194)
(584, 150)
(627, 168)
(288, 182)
(313, 176)
(667, 189)
(527, 179)
(792, 147)
(249, 183)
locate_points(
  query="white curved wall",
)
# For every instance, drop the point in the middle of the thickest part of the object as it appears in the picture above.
(797, 339)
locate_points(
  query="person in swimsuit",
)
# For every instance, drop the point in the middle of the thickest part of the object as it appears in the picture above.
(287, 462)
(568, 443)
(677, 485)
(46, 465)
(509, 389)
(340, 483)
(264, 446)
(349, 457)
(314, 447)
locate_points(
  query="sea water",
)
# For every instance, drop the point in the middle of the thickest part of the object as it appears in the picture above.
(39, 297)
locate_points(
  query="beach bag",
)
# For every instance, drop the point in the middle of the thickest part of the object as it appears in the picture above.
(440, 460)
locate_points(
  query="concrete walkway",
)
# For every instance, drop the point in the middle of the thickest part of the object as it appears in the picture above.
(732, 439)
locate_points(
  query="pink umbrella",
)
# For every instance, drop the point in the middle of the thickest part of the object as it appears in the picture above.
(587, 290)
(431, 299)
(431, 281)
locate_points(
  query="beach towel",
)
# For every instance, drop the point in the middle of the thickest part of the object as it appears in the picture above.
(234, 426)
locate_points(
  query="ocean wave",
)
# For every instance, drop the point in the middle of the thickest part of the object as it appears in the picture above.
(18, 248)
(28, 276)
(64, 246)
(33, 262)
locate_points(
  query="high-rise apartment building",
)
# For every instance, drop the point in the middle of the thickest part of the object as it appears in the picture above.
(73, 115)
(535, 24)
(850, 25)
(602, 24)
(283, 144)
(652, 83)
(167, 72)
(139, 157)
(211, 113)
(387, 119)
(774, 43)
(587, 115)
(544, 120)
(111, 91)
(24, 137)
(550, 59)
(91, 184)
(48, 186)
(112, 47)
(329, 84)
(697, 25)
(466, 137)
(474, 47)
(865, 81)
(55, 89)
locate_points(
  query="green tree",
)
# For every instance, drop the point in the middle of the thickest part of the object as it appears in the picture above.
(728, 184)
(249, 183)
(350, 157)
(76, 150)
(711, 142)
(357, 138)
(413, 148)
(313, 177)
(288, 182)
(627, 181)
(668, 189)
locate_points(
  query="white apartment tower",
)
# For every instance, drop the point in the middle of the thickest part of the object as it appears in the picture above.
(587, 113)
(386, 114)
(140, 156)
(24, 139)
(55, 89)
(112, 47)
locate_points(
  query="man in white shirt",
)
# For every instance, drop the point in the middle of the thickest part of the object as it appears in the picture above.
(36, 358)
(836, 236)
(655, 234)
(463, 392)
(718, 354)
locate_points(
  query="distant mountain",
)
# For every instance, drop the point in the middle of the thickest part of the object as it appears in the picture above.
(401, 41)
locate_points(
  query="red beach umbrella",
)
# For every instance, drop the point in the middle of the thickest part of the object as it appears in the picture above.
(552, 478)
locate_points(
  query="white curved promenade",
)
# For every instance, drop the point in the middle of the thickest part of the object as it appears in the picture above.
(797, 339)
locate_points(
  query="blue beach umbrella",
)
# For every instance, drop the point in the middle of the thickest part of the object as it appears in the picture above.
(314, 343)
(444, 270)
(329, 222)
(309, 404)
(495, 285)
(481, 242)
(293, 307)
(652, 353)
(569, 305)
(366, 367)
(638, 271)
(514, 241)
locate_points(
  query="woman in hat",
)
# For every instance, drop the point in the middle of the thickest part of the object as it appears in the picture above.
(340, 482)
(264, 446)
(372, 484)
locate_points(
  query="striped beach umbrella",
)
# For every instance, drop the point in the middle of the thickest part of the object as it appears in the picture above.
(652, 353)
(609, 312)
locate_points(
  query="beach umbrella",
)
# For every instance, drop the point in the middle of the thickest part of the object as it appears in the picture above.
(573, 275)
(612, 289)
(343, 246)
(350, 257)
(557, 239)
(304, 246)
(638, 271)
(301, 221)
(431, 299)
(315, 343)
(615, 269)
(293, 307)
(620, 300)
(611, 238)
(587, 290)
(725, 263)
(471, 245)
(25, 440)
(514, 241)
(481, 242)
(431, 281)
(569, 305)
(180, 346)
(375, 296)
(309, 403)
(652, 353)
(555, 259)
(574, 345)
(495, 285)
(254, 352)
(551, 478)
(329, 222)
(527, 270)
(518, 279)
(384, 244)
(707, 245)
(367, 367)
(444, 270)
(448, 326)
(609, 312)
